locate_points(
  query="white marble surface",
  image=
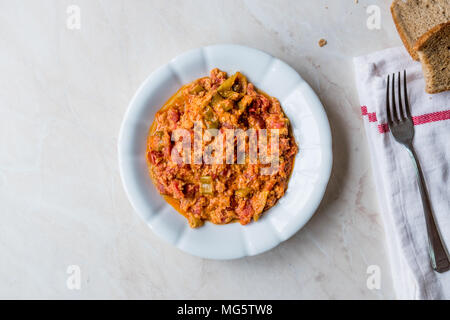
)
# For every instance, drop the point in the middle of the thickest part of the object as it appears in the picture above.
(62, 97)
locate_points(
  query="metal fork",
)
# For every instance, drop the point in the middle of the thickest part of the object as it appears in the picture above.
(402, 128)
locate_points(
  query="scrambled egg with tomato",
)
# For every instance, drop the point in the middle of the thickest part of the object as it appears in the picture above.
(219, 192)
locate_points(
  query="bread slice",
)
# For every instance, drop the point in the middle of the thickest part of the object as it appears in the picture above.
(433, 49)
(413, 18)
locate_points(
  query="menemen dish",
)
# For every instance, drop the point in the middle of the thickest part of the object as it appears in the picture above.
(193, 150)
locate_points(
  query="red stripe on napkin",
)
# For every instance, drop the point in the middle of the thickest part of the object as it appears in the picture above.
(417, 120)
(432, 117)
(372, 117)
(364, 110)
(383, 128)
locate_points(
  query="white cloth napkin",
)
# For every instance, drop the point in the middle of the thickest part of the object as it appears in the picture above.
(396, 184)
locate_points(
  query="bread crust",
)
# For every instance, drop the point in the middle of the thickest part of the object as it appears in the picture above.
(424, 38)
(419, 45)
(401, 32)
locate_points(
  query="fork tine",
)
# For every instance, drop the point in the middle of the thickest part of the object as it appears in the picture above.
(405, 91)
(388, 106)
(401, 111)
(394, 107)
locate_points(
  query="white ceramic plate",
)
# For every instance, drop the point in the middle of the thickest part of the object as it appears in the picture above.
(310, 174)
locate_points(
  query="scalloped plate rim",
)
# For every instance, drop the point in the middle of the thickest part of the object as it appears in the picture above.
(318, 113)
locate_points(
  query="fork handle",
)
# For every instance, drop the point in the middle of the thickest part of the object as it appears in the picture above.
(436, 247)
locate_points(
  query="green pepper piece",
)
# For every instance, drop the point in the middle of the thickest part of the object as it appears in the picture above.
(197, 89)
(242, 193)
(210, 121)
(212, 124)
(216, 99)
(258, 203)
(244, 103)
(208, 113)
(242, 87)
(227, 84)
(227, 105)
(160, 142)
(219, 102)
(206, 186)
(231, 95)
(206, 179)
